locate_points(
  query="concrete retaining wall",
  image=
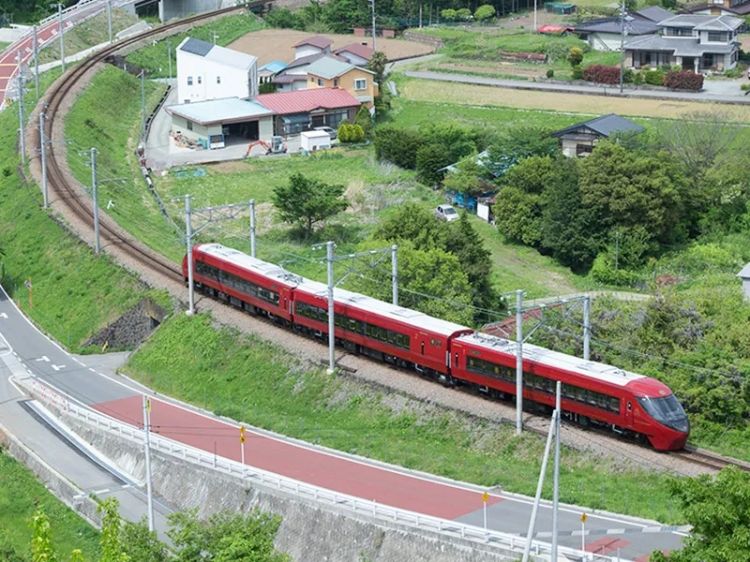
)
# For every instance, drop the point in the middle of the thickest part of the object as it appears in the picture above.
(308, 531)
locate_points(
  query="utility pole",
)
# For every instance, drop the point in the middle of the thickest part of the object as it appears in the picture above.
(372, 3)
(21, 119)
(35, 48)
(394, 273)
(97, 245)
(109, 19)
(556, 472)
(420, 15)
(535, 23)
(60, 31)
(586, 328)
(519, 361)
(189, 244)
(252, 227)
(331, 324)
(143, 105)
(622, 45)
(43, 153)
(147, 445)
(169, 58)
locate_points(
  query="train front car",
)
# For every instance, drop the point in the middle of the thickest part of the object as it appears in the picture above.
(658, 415)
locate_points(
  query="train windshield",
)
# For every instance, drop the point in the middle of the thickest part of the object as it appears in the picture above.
(666, 410)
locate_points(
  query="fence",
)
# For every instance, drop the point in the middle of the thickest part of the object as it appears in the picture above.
(342, 502)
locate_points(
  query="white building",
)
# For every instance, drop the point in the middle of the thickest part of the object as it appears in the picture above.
(207, 72)
(745, 276)
(316, 45)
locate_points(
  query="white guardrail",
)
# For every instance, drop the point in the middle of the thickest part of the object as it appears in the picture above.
(383, 513)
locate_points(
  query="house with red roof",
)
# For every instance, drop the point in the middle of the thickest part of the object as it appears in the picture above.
(358, 54)
(301, 110)
(315, 45)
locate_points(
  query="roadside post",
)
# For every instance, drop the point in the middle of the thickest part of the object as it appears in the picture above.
(485, 499)
(583, 531)
(242, 444)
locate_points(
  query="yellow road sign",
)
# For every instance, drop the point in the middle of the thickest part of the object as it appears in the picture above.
(486, 497)
(242, 434)
(584, 517)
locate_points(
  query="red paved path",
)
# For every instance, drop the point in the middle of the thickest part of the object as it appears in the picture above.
(322, 469)
(8, 61)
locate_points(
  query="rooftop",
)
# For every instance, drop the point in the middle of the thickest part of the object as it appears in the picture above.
(745, 272)
(329, 68)
(679, 46)
(639, 26)
(274, 66)
(215, 53)
(362, 51)
(225, 110)
(315, 41)
(654, 13)
(303, 101)
(703, 22)
(605, 126)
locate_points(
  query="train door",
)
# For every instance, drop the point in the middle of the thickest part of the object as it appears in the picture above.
(628, 412)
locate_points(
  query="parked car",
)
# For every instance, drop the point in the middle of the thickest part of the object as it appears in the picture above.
(446, 213)
(330, 130)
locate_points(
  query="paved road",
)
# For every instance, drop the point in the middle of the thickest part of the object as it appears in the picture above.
(710, 95)
(23, 347)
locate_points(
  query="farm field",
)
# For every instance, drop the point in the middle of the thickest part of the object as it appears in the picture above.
(476, 95)
(20, 495)
(276, 44)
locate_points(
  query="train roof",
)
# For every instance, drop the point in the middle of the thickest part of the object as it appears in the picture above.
(249, 263)
(599, 371)
(385, 309)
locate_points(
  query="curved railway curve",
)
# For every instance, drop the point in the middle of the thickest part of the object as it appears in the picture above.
(69, 194)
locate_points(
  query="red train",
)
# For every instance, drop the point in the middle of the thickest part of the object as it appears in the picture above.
(593, 393)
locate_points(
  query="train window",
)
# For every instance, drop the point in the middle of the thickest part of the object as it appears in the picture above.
(630, 405)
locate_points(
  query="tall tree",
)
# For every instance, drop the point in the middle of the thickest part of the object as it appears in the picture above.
(41, 540)
(111, 541)
(305, 202)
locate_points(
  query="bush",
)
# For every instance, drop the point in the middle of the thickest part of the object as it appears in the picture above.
(638, 78)
(463, 14)
(654, 77)
(356, 133)
(364, 120)
(448, 14)
(398, 146)
(344, 132)
(602, 74)
(683, 80)
(575, 56)
(550, 73)
(603, 271)
(577, 73)
(484, 12)
(431, 158)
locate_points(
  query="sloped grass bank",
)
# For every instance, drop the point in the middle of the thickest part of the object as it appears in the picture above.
(256, 382)
(20, 495)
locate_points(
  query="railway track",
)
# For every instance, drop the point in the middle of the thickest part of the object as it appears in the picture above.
(67, 191)
(710, 459)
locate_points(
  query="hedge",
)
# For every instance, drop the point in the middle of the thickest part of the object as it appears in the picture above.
(683, 80)
(602, 74)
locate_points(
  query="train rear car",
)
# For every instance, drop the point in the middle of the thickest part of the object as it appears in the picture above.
(398, 335)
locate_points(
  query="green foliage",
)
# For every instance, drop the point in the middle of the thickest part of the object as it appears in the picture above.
(267, 88)
(111, 542)
(516, 143)
(430, 159)
(342, 15)
(463, 14)
(377, 64)
(575, 56)
(484, 12)
(41, 541)
(448, 14)
(364, 120)
(357, 133)
(604, 271)
(550, 73)
(142, 545)
(577, 73)
(225, 537)
(654, 77)
(718, 508)
(344, 132)
(284, 18)
(398, 146)
(304, 202)
(468, 177)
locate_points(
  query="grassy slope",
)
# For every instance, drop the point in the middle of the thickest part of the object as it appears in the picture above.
(113, 128)
(74, 293)
(20, 494)
(259, 383)
(155, 58)
(88, 34)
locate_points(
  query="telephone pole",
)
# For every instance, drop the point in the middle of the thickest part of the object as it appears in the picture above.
(109, 19)
(189, 244)
(60, 31)
(147, 446)
(394, 273)
(519, 361)
(35, 48)
(97, 244)
(21, 119)
(331, 334)
(43, 153)
(252, 227)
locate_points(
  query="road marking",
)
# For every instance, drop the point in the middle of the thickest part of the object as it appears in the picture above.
(58, 367)
(3, 316)
(43, 358)
(92, 370)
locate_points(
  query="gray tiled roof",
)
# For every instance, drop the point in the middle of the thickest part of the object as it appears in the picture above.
(196, 46)
(654, 13)
(605, 126)
(639, 26)
(679, 46)
(705, 22)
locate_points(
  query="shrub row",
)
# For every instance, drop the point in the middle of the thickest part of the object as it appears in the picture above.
(683, 80)
(674, 79)
(602, 74)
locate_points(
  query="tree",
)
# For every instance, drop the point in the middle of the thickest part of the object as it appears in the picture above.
(225, 537)
(575, 56)
(448, 14)
(364, 120)
(142, 545)
(718, 508)
(516, 144)
(111, 543)
(431, 159)
(463, 14)
(398, 145)
(414, 223)
(304, 202)
(41, 540)
(377, 64)
(484, 12)
(468, 177)
(626, 189)
(342, 15)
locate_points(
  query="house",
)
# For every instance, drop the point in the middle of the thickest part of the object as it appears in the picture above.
(744, 274)
(329, 72)
(269, 70)
(317, 45)
(216, 123)
(301, 110)
(206, 72)
(738, 8)
(294, 76)
(605, 34)
(358, 54)
(580, 139)
(694, 42)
